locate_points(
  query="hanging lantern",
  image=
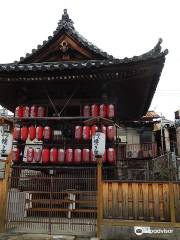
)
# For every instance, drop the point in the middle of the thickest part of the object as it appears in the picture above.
(111, 155)
(86, 133)
(40, 111)
(57, 135)
(30, 155)
(32, 133)
(33, 111)
(39, 133)
(25, 111)
(37, 155)
(111, 133)
(19, 112)
(103, 110)
(45, 155)
(78, 133)
(53, 155)
(69, 155)
(103, 129)
(94, 110)
(16, 133)
(47, 133)
(85, 155)
(86, 111)
(15, 154)
(77, 155)
(61, 155)
(110, 111)
(94, 129)
(24, 133)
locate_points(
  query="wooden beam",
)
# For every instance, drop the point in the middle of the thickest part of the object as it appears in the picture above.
(99, 197)
(125, 223)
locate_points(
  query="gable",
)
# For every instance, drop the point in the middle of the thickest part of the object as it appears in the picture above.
(64, 48)
(66, 44)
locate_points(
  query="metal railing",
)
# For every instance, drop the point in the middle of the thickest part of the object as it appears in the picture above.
(130, 151)
(52, 202)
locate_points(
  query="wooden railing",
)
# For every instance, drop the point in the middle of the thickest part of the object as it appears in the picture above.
(130, 151)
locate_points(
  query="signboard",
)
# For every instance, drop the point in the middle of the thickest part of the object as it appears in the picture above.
(98, 144)
(5, 142)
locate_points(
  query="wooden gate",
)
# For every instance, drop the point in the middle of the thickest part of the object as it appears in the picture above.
(52, 201)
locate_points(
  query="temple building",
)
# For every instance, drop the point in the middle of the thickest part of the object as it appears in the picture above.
(62, 93)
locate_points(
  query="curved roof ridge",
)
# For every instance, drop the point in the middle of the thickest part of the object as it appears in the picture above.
(67, 25)
(156, 50)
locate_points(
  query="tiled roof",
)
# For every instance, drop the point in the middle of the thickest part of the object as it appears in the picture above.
(67, 25)
(50, 66)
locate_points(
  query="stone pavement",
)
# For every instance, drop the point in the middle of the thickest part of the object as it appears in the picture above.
(20, 236)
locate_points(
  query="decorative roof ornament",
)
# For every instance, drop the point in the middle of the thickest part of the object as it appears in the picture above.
(65, 21)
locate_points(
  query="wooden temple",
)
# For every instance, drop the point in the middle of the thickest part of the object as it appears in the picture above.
(63, 75)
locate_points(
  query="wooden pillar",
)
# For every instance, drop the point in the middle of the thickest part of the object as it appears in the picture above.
(4, 197)
(5, 182)
(172, 203)
(99, 196)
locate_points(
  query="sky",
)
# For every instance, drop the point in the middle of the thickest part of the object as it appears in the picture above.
(123, 28)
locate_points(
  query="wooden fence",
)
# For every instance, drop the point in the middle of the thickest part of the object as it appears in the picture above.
(152, 202)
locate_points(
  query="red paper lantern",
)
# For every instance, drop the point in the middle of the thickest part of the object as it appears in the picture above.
(103, 110)
(24, 133)
(45, 155)
(103, 129)
(39, 133)
(25, 111)
(111, 133)
(30, 155)
(94, 110)
(41, 111)
(61, 155)
(78, 133)
(77, 155)
(86, 133)
(86, 111)
(19, 112)
(32, 133)
(94, 129)
(54, 155)
(69, 155)
(33, 111)
(47, 133)
(15, 154)
(110, 111)
(85, 155)
(37, 155)
(16, 133)
(111, 155)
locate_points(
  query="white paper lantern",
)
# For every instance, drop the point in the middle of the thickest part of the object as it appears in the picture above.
(98, 144)
(5, 142)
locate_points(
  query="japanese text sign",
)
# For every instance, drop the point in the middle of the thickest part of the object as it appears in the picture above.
(98, 144)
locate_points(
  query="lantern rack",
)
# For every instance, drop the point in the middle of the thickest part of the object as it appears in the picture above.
(66, 139)
(60, 166)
